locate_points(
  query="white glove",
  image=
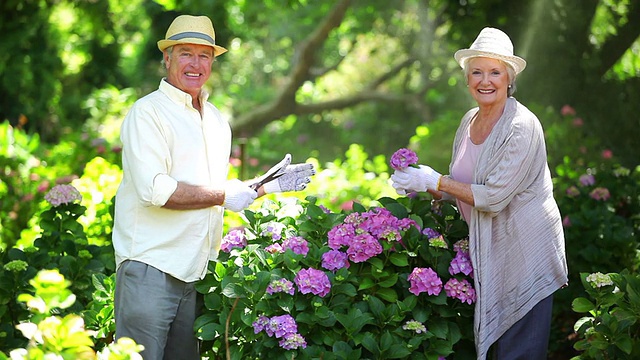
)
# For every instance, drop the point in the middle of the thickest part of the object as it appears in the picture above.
(415, 179)
(238, 195)
(295, 178)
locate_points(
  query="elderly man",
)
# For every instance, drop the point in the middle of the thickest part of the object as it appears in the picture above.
(170, 204)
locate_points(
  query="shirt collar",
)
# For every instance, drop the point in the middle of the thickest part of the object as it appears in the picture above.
(180, 96)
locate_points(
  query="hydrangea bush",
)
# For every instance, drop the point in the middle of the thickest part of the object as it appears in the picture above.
(392, 281)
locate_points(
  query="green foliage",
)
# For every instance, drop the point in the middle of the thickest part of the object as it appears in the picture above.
(611, 328)
(61, 245)
(368, 305)
(51, 336)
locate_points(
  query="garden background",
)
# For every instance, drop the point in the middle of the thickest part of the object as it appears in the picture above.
(343, 84)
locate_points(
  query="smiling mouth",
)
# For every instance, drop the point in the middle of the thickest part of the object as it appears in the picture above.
(486, 91)
(192, 74)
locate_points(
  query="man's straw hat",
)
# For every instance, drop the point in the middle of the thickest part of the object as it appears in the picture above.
(492, 43)
(187, 29)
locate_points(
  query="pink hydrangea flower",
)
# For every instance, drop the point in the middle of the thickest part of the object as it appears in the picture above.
(234, 239)
(403, 158)
(461, 290)
(424, 280)
(600, 194)
(63, 194)
(297, 244)
(567, 110)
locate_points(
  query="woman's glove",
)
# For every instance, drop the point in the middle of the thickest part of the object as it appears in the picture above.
(415, 179)
(295, 178)
(238, 195)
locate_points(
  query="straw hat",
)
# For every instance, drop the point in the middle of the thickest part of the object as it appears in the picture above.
(492, 43)
(187, 29)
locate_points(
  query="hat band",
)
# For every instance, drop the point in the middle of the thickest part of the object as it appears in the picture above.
(191, 34)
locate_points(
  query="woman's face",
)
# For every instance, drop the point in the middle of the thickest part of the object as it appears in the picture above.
(488, 80)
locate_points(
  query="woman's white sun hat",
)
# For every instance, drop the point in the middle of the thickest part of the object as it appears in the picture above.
(188, 29)
(492, 43)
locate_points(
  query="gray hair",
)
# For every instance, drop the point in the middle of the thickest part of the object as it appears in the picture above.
(169, 51)
(511, 74)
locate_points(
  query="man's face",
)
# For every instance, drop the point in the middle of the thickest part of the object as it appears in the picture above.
(189, 67)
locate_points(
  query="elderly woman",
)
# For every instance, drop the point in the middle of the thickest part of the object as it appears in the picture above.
(500, 180)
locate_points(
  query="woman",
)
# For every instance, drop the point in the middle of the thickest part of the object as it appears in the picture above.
(500, 180)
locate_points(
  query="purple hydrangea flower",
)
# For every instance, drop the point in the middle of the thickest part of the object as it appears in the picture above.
(274, 230)
(292, 342)
(340, 235)
(403, 158)
(63, 194)
(282, 325)
(424, 280)
(234, 239)
(587, 180)
(313, 281)
(461, 245)
(260, 324)
(461, 263)
(280, 285)
(334, 260)
(461, 290)
(430, 233)
(363, 247)
(297, 244)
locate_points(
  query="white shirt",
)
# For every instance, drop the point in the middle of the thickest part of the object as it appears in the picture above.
(166, 140)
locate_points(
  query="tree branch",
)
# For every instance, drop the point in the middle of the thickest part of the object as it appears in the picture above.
(616, 46)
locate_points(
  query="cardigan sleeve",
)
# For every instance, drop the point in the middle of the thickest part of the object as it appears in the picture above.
(507, 166)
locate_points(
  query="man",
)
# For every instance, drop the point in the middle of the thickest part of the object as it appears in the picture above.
(170, 204)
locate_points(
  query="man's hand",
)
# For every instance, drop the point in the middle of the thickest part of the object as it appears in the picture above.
(415, 179)
(295, 178)
(238, 195)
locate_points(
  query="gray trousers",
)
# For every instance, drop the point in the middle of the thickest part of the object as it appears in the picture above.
(157, 311)
(528, 339)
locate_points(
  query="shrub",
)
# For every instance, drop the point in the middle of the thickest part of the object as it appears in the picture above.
(302, 282)
(611, 330)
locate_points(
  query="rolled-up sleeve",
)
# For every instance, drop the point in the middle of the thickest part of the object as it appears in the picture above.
(147, 156)
(163, 187)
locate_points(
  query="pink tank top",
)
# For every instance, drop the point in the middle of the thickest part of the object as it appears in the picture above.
(463, 169)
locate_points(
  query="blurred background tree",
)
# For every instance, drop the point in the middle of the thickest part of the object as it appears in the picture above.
(313, 77)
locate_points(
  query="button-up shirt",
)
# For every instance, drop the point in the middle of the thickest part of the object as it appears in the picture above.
(166, 140)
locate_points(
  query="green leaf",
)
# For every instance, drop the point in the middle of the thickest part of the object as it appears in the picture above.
(371, 344)
(625, 344)
(399, 259)
(366, 283)
(582, 305)
(354, 321)
(389, 281)
(346, 289)
(376, 306)
(387, 294)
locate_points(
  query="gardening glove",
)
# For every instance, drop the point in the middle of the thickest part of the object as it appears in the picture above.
(238, 195)
(415, 179)
(274, 171)
(295, 178)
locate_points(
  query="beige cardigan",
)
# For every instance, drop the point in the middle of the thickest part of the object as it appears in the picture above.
(515, 229)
